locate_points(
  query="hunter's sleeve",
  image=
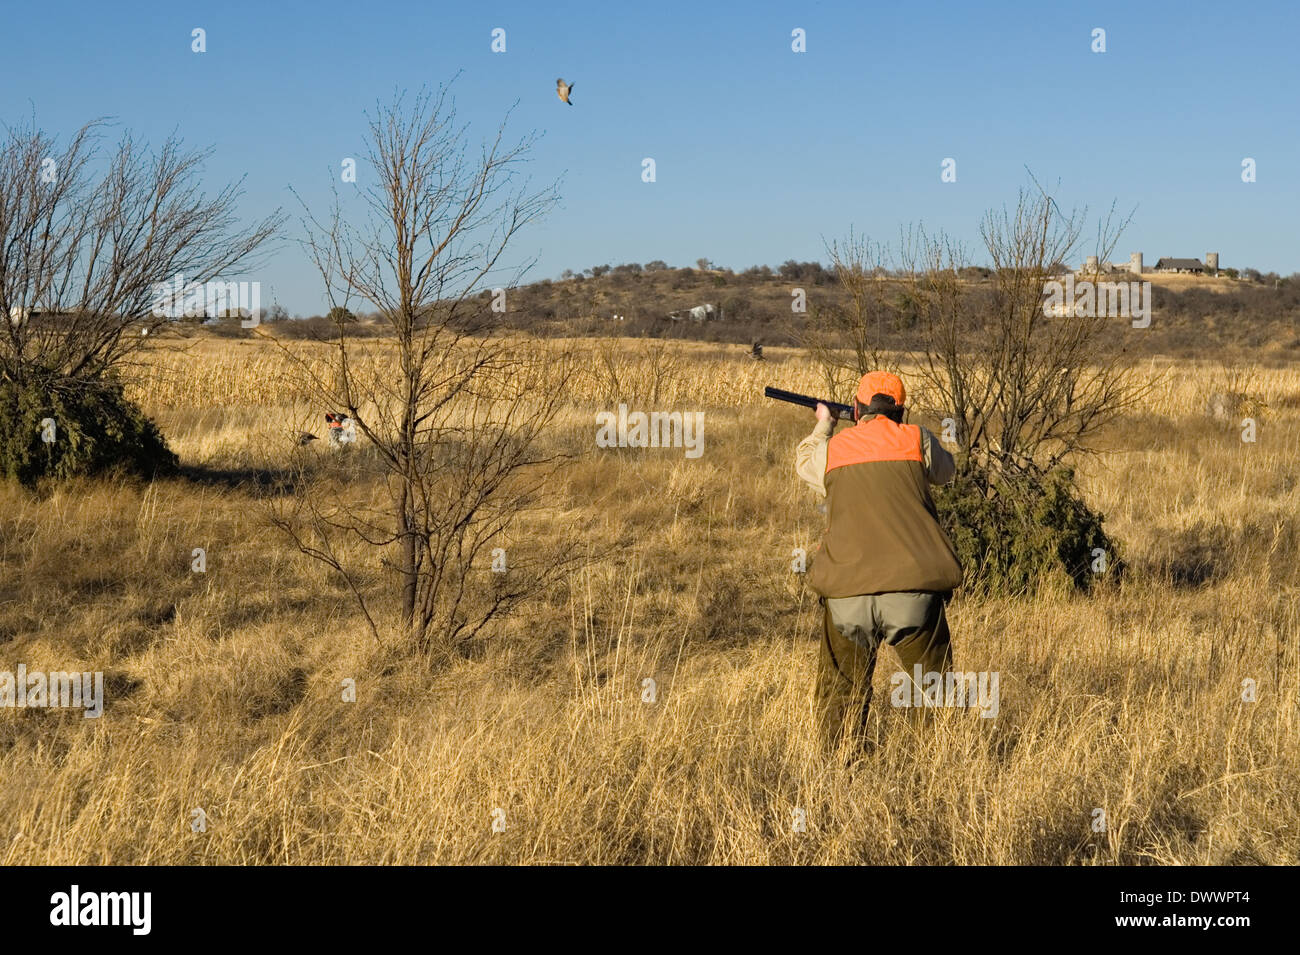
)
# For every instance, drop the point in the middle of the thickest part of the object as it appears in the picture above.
(939, 465)
(810, 456)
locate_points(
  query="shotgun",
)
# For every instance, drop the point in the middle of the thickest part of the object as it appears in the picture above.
(843, 412)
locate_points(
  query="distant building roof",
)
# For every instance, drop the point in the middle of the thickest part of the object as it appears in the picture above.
(1179, 264)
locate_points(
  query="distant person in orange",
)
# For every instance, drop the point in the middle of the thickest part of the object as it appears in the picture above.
(886, 568)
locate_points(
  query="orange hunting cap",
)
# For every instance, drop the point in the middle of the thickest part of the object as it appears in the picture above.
(881, 383)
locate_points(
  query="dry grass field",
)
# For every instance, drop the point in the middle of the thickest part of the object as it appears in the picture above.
(225, 687)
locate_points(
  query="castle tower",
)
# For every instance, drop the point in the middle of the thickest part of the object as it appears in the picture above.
(1135, 263)
(1212, 262)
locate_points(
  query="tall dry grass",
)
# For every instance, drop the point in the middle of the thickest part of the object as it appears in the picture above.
(225, 688)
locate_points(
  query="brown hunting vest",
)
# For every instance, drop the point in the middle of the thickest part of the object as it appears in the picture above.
(884, 534)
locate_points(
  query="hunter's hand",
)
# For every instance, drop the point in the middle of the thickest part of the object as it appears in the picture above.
(823, 413)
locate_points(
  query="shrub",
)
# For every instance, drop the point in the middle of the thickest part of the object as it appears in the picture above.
(736, 308)
(228, 327)
(322, 328)
(1028, 534)
(809, 273)
(96, 429)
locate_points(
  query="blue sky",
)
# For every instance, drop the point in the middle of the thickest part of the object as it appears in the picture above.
(762, 154)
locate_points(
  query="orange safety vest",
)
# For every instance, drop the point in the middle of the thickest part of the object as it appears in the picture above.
(883, 534)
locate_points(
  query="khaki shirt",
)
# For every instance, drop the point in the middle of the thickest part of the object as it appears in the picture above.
(810, 457)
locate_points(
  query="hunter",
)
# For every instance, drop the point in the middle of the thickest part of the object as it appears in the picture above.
(886, 568)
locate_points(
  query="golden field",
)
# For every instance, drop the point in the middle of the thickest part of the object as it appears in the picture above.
(224, 688)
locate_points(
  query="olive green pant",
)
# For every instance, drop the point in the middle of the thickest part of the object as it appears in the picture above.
(852, 630)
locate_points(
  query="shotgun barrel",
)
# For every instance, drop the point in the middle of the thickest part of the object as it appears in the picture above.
(844, 412)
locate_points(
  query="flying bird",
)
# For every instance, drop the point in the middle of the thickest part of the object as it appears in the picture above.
(305, 437)
(563, 89)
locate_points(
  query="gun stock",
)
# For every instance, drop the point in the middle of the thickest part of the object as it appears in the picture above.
(841, 411)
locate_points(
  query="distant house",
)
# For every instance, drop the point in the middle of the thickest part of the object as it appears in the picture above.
(1180, 265)
(1132, 266)
(700, 313)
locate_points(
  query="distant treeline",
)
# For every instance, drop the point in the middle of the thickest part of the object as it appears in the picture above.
(1254, 311)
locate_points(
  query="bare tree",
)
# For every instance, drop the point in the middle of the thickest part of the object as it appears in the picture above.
(1023, 387)
(451, 415)
(849, 340)
(1026, 390)
(84, 245)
